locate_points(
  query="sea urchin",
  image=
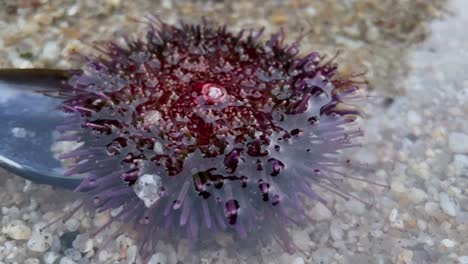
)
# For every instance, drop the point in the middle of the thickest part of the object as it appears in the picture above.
(195, 130)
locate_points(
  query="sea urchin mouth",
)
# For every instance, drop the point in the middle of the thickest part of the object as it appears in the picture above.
(194, 129)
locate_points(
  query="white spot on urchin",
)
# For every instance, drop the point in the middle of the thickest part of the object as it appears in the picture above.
(147, 188)
(214, 92)
(152, 117)
(158, 148)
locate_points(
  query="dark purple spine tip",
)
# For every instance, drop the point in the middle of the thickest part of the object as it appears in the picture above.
(232, 207)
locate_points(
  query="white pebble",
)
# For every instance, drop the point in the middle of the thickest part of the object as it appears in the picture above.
(73, 10)
(414, 118)
(460, 163)
(320, 212)
(132, 254)
(422, 225)
(72, 253)
(103, 255)
(355, 207)
(66, 260)
(323, 255)
(100, 219)
(50, 257)
(426, 239)
(311, 11)
(158, 258)
(448, 243)
(113, 3)
(432, 208)
(395, 219)
(83, 243)
(335, 231)
(19, 62)
(298, 260)
(147, 188)
(405, 257)
(366, 156)
(463, 259)
(167, 4)
(376, 233)
(417, 195)
(51, 51)
(39, 241)
(17, 230)
(72, 224)
(458, 142)
(398, 187)
(447, 204)
(302, 239)
(32, 261)
(462, 218)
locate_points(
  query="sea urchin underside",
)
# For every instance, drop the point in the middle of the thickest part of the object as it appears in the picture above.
(195, 130)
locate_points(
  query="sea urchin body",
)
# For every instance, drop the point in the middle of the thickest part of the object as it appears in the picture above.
(195, 130)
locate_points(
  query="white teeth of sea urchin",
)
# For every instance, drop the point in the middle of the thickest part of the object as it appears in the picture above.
(147, 188)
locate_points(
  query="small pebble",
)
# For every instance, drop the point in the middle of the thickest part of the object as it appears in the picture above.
(50, 257)
(158, 258)
(426, 239)
(166, 4)
(460, 163)
(365, 156)
(83, 243)
(73, 254)
(432, 208)
(101, 219)
(39, 241)
(447, 204)
(51, 51)
(131, 254)
(463, 260)
(458, 142)
(298, 260)
(66, 260)
(320, 212)
(397, 187)
(302, 239)
(355, 207)
(395, 219)
(405, 257)
(17, 230)
(422, 225)
(311, 11)
(73, 10)
(448, 243)
(376, 233)
(113, 3)
(323, 255)
(72, 224)
(336, 231)
(417, 195)
(414, 118)
(147, 188)
(103, 255)
(32, 261)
